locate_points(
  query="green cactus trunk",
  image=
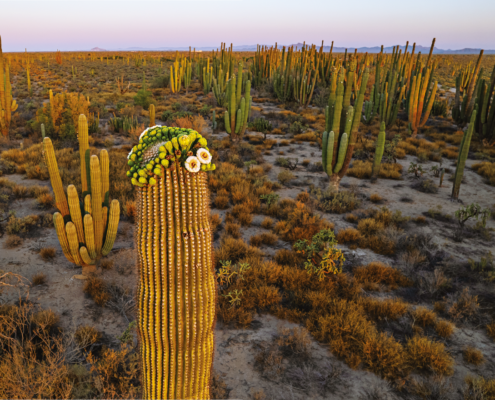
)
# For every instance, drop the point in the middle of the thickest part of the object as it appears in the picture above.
(380, 146)
(461, 159)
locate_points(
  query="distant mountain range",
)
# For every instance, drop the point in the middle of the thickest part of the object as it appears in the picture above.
(375, 49)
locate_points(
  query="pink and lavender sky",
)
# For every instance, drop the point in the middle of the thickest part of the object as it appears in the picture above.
(82, 25)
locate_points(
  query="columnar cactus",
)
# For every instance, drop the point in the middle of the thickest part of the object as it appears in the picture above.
(238, 109)
(86, 229)
(380, 146)
(420, 94)
(461, 158)
(176, 292)
(152, 115)
(7, 104)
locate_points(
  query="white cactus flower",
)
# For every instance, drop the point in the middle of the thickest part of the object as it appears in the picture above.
(192, 164)
(204, 156)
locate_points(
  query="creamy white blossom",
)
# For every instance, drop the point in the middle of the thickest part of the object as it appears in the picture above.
(204, 156)
(192, 164)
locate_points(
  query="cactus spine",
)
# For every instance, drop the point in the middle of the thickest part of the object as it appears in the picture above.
(152, 115)
(380, 146)
(7, 104)
(81, 226)
(461, 158)
(176, 292)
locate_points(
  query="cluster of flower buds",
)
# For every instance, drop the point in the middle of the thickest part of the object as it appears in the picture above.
(161, 146)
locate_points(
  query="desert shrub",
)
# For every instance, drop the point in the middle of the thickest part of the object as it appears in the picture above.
(39, 279)
(425, 186)
(370, 226)
(215, 221)
(285, 177)
(233, 229)
(424, 317)
(303, 197)
(222, 202)
(235, 249)
(288, 257)
(48, 253)
(97, 289)
(86, 335)
(390, 309)
(106, 264)
(473, 356)
(378, 273)
(218, 387)
(376, 198)
(335, 202)
(444, 329)
(479, 388)
(362, 169)
(13, 241)
(130, 210)
(487, 170)
(266, 238)
(351, 218)
(462, 306)
(348, 235)
(45, 200)
(267, 223)
(423, 354)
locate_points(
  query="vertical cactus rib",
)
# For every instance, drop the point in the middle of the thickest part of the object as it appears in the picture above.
(105, 171)
(83, 252)
(89, 235)
(380, 146)
(58, 189)
(87, 204)
(75, 211)
(461, 158)
(70, 229)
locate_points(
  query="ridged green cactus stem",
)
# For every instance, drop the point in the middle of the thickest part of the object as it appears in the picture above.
(461, 158)
(380, 147)
(214, 120)
(7, 104)
(442, 173)
(237, 114)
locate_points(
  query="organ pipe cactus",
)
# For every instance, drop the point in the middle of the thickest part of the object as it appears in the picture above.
(238, 108)
(461, 158)
(380, 146)
(337, 147)
(86, 229)
(7, 104)
(176, 292)
(421, 98)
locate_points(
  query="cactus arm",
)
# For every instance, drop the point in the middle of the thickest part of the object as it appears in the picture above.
(227, 122)
(58, 221)
(341, 153)
(70, 229)
(83, 146)
(330, 151)
(87, 204)
(58, 189)
(380, 146)
(324, 142)
(113, 224)
(89, 235)
(87, 157)
(105, 172)
(75, 211)
(429, 106)
(96, 202)
(86, 259)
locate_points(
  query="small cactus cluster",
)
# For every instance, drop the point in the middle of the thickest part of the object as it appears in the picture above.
(86, 229)
(161, 146)
(238, 107)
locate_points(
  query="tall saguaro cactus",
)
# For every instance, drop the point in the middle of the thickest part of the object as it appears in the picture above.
(461, 158)
(177, 290)
(86, 229)
(7, 104)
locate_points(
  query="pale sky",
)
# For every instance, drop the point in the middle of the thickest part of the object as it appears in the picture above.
(81, 25)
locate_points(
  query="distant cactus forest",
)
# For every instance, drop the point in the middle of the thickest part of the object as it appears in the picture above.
(287, 223)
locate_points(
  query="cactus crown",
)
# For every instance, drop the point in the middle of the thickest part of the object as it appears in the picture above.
(167, 147)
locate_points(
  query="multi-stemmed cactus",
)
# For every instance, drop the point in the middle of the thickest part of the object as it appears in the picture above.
(7, 104)
(238, 107)
(86, 228)
(461, 158)
(342, 126)
(485, 121)
(176, 292)
(379, 149)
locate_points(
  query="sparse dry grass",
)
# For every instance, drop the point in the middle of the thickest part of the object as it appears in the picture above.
(39, 279)
(473, 356)
(422, 354)
(362, 170)
(376, 273)
(13, 241)
(444, 328)
(48, 253)
(97, 289)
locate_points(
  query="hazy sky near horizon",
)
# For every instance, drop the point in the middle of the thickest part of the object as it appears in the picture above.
(81, 25)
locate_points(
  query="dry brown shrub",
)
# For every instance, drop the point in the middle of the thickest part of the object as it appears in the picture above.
(423, 354)
(221, 202)
(463, 306)
(287, 257)
(39, 279)
(351, 218)
(13, 241)
(303, 197)
(45, 200)
(45, 319)
(362, 169)
(424, 317)
(48, 253)
(391, 309)
(267, 223)
(375, 198)
(348, 235)
(233, 229)
(20, 191)
(97, 289)
(255, 241)
(130, 210)
(215, 221)
(479, 388)
(379, 273)
(264, 296)
(239, 192)
(370, 226)
(473, 356)
(117, 373)
(86, 335)
(218, 387)
(444, 328)
(235, 249)
(106, 264)
(440, 306)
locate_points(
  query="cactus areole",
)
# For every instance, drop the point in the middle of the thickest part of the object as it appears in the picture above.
(177, 289)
